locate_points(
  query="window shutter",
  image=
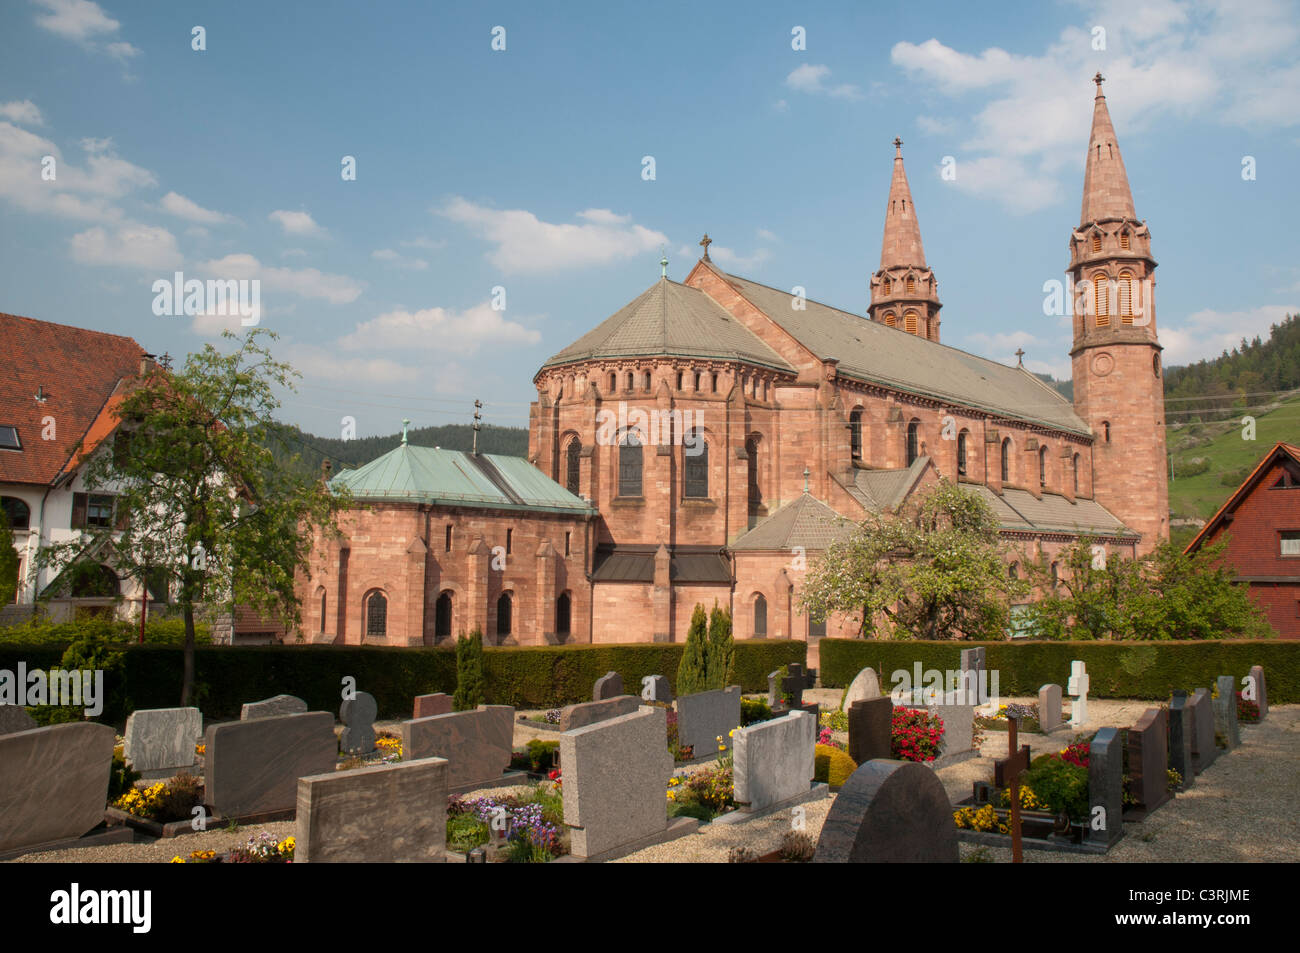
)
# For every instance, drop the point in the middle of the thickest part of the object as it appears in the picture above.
(78, 511)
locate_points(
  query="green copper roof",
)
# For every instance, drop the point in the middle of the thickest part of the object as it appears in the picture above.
(453, 477)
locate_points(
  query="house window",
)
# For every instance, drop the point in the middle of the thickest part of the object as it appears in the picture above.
(376, 615)
(961, 452)
(563, 614)
(504, 605)
(17, 513)
(913, 439)
(816, 630)
(1006, 460)
(629, 464)
(855, 434)
(1076, 474)
(442, 616)
(573, 466)
(91, 510)
(760, 616)
(1290, 543)
(448, 543)
(696, 452)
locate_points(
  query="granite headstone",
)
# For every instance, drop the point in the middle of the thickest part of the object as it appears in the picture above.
(53, 782)
(477, 744)
(588, 713)
(871, 725)
(655, 688)
(426, 706)
(1148, 759)
(865, 686)
(159, 742)
(1182, 729)
(1049, 708)
(253, 767)
(1105, 787)
(358, 716)
(703, 717)
(609, 685)
(889, 811)
(774, 761)
(1078, 686)
(1225, 712)
(14, 718)
(269, 707)
(1261, 690)
(1204, 747)
(972, 674)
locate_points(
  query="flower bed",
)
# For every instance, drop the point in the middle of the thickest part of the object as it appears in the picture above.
(915, 735)
(1028, 715)
(528, 829)
(261, 848)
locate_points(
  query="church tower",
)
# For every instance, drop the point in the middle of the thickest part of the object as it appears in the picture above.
(1118, 387)
(903, 293)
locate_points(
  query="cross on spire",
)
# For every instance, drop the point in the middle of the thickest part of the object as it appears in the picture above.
(898, 147)
(1020, 357)
(1099, 79)
(705, 242)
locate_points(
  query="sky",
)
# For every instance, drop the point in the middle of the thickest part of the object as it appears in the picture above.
(521, 168)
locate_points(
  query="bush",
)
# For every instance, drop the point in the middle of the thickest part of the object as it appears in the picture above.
(541, 754)
(754, 710)
(465, 832)
(1060, 785)
(915, 734)
(40, 630)
(833, 766)
(721, 649)
(179, 798)
(469, 672)
(121, 778)
(693, 671)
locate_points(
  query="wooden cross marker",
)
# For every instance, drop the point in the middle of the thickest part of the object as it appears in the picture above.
(1006, 773)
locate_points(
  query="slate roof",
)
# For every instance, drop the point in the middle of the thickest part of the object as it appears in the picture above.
(873, 352)
(454, 477)
(883, 490)
(701, 564)
(807, 522)
(1021, 510)
(673, 320)
(77, 372)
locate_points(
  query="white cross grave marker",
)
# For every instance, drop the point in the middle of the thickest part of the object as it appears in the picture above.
(1078, 688)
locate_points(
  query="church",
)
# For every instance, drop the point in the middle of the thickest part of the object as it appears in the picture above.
(708, 440)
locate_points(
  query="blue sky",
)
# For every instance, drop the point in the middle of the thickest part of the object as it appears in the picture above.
(522, 169)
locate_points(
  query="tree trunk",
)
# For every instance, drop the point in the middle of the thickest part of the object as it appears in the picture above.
(187, 680)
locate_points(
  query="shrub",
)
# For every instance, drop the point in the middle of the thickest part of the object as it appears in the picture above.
(834, 720)
(693, 671)
(541, 754)
(833, 766)
(1060, 785)
(179, 797)
(714, 787)
(465, 832)
(754, 710)
(121, 777)
(915, 735)
(797, 847)
(469, 672)
(721, 654)
(1247, 711)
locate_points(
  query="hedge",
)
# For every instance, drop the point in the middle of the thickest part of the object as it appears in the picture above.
(226, 677)
(1146, 670)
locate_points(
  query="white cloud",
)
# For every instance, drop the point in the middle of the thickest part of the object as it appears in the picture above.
(181, 207)
(438, 329)
(318, 362)
(398, 260)
(128, 246)
(428, 244)
(122, 50)
(934, 126)
(294, 253)
(767, 235)
(527, 244)
(303, 282)
(1207, 334)
(811, 78)
(23, 111)
(781, 106)
(78, 20)
(296, 223)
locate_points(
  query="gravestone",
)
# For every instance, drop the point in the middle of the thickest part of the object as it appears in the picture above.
(358, 717)
(704, 716)
(588, 713)
(53, 782)
(382, 814)
(1105, 788)
(14, 718)
(1261, 690)
(253, 767)
(159, 742)
(865, 686)
(426, 706)
(609, 685)
(1049, 708)
(1148, 760)
(1182, 729)
(269, 707)
(871, 730)
(957, 741)
(1204, 747)
(655, 688)
(1078, 688)
(615, 776)
(477, 744)
(1225, 712)
(889, 811)
(794, 684)
(972, 674)
(773, 761)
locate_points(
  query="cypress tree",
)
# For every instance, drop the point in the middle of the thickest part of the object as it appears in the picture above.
(693, 672)
(722, 649)
(469, 672)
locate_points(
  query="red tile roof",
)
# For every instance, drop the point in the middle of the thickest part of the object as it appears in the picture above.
(77, 371)
(1280, 449)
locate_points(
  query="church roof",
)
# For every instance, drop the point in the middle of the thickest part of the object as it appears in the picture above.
(1021, 510)
(883, 490)
(873, 352)
(456, 478)
(1106, 192)
(672, 320)
(807, 522)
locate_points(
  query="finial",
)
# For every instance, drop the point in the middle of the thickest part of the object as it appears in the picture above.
(166, 361)
(1099, 79)
(406, 422)
(898, 148)
(705, 242)
(663, 263)
(806, 475)
(478, 417)
(1020, 357)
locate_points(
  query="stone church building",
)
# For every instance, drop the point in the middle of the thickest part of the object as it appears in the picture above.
(703, 443)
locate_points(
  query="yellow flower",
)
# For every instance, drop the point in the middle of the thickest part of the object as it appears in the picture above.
(177, 860)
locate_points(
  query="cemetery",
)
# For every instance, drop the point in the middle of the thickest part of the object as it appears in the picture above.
(705, 759)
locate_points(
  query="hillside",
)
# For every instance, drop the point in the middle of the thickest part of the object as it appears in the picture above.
(304, 452)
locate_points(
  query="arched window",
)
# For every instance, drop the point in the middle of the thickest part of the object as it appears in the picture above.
(911, 284)
(573, 466)
(376, 615)
(696, 452)
(1076, 474)
(1042, 467)
(17, 513)
(890, 319)
(322, 608)
(760, 616)
(504, 605)
(1056, 575)
(816, 630)
(715, 383)
(755, 495)
(1126, 297)
(855, 433)
(442, 615)
(563, 614)
(697, 380)
(886, 286)
(613, 382)
(1105, 430)
(679, 380)
(645, 380)
(1096, 236)
(629, 464)
(1124, 240)
(1013, 570)
(962, 439)
(1101, 299)
(913, 441)
(909, 322)
(1006, 459)
(631, 380)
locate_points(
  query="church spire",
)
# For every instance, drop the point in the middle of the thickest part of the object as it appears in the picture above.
(902, 243)
(903, 293)
(1106, 193)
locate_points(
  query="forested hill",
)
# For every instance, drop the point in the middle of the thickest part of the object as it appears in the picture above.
(1253, 372)
(311, 450)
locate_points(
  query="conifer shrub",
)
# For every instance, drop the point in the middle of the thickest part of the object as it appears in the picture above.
(721, 655)
(469, 672)
(693, 671)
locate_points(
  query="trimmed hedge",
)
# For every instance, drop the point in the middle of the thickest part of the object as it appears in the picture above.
(1146, 670)
(535, 677)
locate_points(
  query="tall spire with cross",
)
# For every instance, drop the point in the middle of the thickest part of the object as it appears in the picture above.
(1106, 192)
(904, 293)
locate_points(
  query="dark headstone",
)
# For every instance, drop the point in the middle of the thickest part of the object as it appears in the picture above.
(14, 718)
(1204, 749)
(609, 685)
(1148, 759)
(1225, 712)
(1105, 788)
(871, 730)
(477, 744)
(276, 705)
(253, 767)
(794, 684)
(1261, 690)
(426, 706)
(889, 811)
(655, 688)
(358, 717)
(704, 717)
(1181, 731)
(588, 713)
(972, 674)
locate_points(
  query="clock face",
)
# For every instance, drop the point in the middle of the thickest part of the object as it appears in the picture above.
(1103, 364)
